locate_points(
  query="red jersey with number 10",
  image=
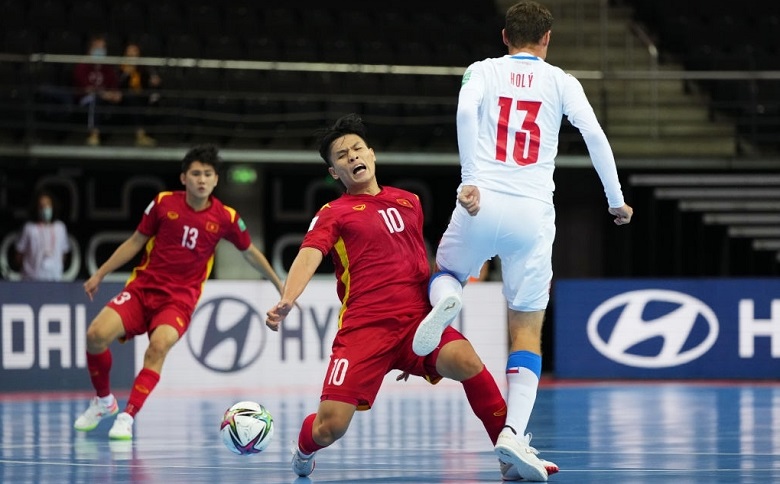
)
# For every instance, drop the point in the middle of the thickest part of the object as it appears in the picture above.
(180, 252)
(377, 248)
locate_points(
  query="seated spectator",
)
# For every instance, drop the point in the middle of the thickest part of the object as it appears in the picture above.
(139, 84)
(96, 85)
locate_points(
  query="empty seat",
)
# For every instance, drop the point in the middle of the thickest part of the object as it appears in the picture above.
(166, 17)
(261, 48)
(128, 18)
(63, 42)
(22, 41)
(240, 20)
(225, 47)
(183, 45)
(87, 15)
(47, 14)
(339, 50)
(150, 44)
(14, 14)
(204, 18)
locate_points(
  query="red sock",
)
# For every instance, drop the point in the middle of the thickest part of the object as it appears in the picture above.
(487, 402)
(142, 386)
(306, 442)
(99, 367)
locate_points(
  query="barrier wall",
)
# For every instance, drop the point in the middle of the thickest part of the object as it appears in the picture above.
(227, 347)
(665, 328)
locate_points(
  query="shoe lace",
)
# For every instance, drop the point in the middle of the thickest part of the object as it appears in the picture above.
(527, 438)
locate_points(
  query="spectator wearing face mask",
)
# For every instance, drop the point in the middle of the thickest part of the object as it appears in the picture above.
(97, 85)
(43, 246)
(139, 84)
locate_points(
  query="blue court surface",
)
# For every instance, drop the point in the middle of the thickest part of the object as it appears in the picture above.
(621, 432)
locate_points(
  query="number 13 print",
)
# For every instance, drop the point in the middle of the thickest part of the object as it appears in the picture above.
(526, 149)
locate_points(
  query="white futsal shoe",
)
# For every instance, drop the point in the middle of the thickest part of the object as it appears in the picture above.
(122, 428)
(302, 466)
(518, 452)
(94, 414)
(428, 334)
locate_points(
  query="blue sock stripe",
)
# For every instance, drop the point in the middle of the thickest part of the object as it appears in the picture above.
(439, 274)
(525, 359)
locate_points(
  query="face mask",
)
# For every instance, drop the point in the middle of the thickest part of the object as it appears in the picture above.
(46, 214)
(98, 52)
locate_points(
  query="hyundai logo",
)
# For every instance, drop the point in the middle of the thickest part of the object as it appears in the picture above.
(226, 334)
(652, 328)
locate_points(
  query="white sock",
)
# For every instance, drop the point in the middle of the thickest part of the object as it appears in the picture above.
(443, 286)
(521, 396)
(108, 400)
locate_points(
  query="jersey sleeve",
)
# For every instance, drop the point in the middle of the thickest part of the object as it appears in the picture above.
(237, 233)
(150, 222)
(581, 115)
(323, 231)
(467, 120)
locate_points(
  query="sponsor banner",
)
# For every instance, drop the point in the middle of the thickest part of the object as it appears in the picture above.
(719, 328)
(43, 337)
(228, 346)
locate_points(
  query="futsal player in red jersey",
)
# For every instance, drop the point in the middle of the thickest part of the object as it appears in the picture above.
(179, 232)
(374, 236)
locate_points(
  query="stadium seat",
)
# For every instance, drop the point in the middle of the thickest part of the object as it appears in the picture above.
(183, 46)
(127, 18)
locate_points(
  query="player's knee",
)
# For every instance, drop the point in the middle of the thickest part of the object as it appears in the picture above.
(97, 339)
(330, 431)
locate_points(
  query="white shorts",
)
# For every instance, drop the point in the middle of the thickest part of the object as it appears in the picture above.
(520, 230)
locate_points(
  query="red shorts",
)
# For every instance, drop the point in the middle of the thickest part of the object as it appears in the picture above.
(362, 357)
(142, 310)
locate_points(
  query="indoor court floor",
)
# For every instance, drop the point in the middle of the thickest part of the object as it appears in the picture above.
(597, 432)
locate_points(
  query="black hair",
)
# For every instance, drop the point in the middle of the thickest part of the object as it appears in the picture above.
(206, 154)
(32, 209)
(347, 124)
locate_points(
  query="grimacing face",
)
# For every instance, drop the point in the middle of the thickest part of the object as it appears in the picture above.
(353, 162)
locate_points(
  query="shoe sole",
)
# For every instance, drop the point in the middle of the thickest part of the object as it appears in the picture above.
(122, 437)
(428, 334)
(527, 471)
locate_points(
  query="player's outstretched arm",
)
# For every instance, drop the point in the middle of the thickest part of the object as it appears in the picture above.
(259, 261)
(121, 256)
(302, 270)
(622, 214)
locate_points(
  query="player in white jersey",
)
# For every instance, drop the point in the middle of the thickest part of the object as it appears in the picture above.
(509, 116)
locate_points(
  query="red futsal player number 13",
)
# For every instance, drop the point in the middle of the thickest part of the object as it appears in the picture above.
(526, 150)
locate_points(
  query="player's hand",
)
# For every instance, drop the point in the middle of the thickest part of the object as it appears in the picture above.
(469, 199)
(91, 286)
(622, 214)
(275, 315)
(403, 376)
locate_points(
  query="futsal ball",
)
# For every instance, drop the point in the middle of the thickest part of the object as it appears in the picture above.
(247, 428)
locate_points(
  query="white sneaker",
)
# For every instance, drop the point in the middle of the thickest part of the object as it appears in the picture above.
(428, 334)
(517, 451)
(302, 466)
(122, 428)
(509, 471)
(94, 414)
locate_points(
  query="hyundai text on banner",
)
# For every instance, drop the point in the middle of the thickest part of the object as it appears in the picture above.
(697, 328)
(229, 347)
